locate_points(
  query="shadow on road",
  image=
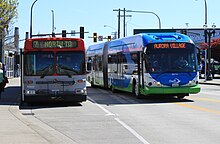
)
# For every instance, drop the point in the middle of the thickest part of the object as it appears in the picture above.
(10, 96)
(47, 105)
(106, 97)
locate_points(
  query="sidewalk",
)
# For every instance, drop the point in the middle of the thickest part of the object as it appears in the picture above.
(14, 127)
(214, 81)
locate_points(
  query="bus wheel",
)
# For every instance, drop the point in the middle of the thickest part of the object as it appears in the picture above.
(181, 96)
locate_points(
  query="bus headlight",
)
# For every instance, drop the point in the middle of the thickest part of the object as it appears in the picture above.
(80, 91)
(30, 92)
(157, 83)
(190, 82)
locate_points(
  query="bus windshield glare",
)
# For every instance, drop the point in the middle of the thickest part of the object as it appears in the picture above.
(170, 57)
(48, 63)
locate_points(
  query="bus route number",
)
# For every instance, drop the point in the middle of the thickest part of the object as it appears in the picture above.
(54, 44)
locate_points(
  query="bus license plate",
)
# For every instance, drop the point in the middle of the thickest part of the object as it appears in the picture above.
(175, 85)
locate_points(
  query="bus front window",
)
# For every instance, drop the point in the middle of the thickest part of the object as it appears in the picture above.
(39, 64)
(70, 63)
(171, 60)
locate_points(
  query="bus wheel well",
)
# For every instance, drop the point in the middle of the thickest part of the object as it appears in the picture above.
(134, 87)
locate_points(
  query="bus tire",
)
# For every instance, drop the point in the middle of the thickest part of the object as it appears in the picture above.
(181, 96)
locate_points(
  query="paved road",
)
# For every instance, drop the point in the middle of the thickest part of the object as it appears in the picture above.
(120, 118)
(113, 118)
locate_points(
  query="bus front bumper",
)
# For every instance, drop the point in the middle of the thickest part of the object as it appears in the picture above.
(55, 98)
(172, 90)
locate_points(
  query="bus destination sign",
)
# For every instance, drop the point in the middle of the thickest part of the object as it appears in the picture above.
(54, 44)
(169, 45)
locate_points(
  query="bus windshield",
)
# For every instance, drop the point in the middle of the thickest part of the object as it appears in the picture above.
(44, 63)
(39, 63)
(159, 60)
(70, 63)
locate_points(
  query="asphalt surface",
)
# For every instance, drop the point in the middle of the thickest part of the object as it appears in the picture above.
(16, 128)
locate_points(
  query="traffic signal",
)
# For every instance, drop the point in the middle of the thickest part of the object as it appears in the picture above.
(63, 33)
(81, 30)
(109, 38)
(94, 37)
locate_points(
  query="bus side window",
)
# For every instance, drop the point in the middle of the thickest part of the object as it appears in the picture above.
(89, 64)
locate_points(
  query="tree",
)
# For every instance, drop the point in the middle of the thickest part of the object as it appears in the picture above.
(8, 13)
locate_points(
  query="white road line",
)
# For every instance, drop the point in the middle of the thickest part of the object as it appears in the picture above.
(101, 107)
(132, 131)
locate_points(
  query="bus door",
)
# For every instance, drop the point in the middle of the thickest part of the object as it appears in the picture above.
(142, 69)
(126, 66)
(119, 76)
(98, 70)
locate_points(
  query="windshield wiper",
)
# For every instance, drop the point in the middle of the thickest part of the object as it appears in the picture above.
(46, 71)
(67, 73)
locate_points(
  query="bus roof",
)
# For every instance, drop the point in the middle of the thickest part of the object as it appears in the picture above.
(138, 41)
(95, 49)
(146, 38)
(164, 37)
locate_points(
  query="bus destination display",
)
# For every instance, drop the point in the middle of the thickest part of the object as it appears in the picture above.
(55, 44)
(169, 45)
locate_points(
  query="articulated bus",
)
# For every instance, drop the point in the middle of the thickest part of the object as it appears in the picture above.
(53, 69)
(146, 64)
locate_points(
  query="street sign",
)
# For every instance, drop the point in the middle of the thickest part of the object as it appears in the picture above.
(100, 38)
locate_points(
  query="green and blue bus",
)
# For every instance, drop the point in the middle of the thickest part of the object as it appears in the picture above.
(146, 64)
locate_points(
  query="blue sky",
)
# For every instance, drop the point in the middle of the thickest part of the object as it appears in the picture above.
(94, 14)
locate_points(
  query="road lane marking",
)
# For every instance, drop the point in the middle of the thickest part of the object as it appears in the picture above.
(199, 108)
(204, 99)
(108, 113)
(132, 131)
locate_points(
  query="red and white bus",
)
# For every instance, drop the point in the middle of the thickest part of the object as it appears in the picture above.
(53, 69)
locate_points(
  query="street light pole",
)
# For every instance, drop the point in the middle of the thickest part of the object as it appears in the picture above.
(53, 28)
(147, 12)
(31, 18)
(115, 31)
(205, 35)
(209, 32)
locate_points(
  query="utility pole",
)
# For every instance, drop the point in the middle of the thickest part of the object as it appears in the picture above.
(119, 16)
(124, 23)
(53, 28)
